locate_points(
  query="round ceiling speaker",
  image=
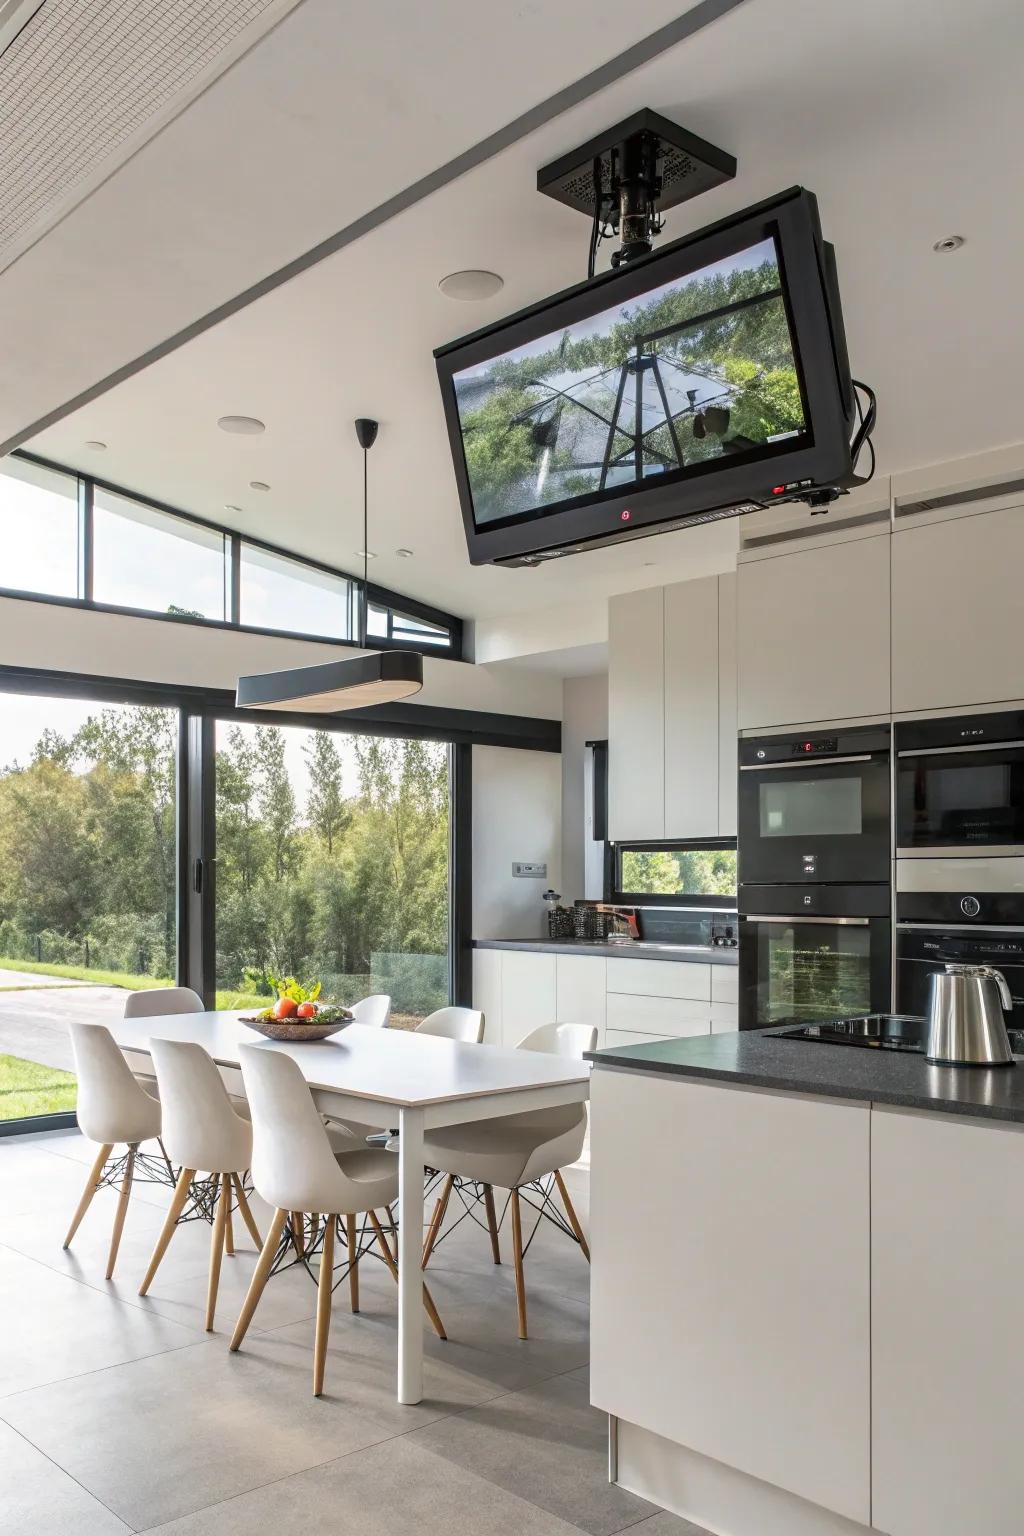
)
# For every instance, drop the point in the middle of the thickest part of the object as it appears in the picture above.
(471, 285)
(244, 426)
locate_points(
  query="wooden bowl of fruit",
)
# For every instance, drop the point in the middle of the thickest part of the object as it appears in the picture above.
(298, 1014)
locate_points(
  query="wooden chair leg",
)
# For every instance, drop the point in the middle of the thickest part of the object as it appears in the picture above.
(492, 1223)
(217, 1248)
(227, 1185)
(325, 1288)
(122, 1211)
(353, 1260)
(570, 1211)
(517, 1259)
(389, 1259)
(246, 1213)
(298, 1232)
(178, 1199)
(91, 1186)
(437, 1219)
(261, 1275)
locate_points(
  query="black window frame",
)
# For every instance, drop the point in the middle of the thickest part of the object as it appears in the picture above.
(396, 603)
(613, 873)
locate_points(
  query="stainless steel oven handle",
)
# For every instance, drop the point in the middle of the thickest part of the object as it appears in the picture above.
(981, 746)
(832, 922)
(804, 762)
(976, 928)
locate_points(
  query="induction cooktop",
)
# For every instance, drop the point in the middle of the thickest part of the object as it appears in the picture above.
(882, 1031)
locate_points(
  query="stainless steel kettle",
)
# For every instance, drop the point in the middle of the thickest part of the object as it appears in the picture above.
(966, 1027)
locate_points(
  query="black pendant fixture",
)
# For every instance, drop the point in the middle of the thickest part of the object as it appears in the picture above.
(381, 677)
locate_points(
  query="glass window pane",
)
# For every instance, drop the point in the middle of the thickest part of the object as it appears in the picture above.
(88, 852)
(278, 593)
(678, 871)
(420, 631)
(151, 560)
(332, 867)
(38, 530)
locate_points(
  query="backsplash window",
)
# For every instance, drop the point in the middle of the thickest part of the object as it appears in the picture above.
(694, 870)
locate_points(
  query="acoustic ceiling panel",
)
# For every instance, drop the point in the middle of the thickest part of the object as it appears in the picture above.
(84, 80)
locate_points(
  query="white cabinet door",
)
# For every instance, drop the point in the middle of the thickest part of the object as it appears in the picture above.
(725, 983)
(636, 716)
(947, 1247)
(620, 1037)
(660, 978)
(581, 991)
(746, 1335)
(957, 635)
(528, 993)
(727, 726)
(487, 991)
(691, 708)
(662, 1016)
(813, 634)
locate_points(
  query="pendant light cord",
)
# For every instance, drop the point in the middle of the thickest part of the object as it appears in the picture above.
(364, 628)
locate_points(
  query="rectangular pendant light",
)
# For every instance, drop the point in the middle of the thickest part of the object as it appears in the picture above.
(356, 683)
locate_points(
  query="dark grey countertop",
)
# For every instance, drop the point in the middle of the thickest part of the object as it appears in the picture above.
(758, 1058)
(703, 954)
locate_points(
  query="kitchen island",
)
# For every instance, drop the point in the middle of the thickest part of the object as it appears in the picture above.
(806, 1261)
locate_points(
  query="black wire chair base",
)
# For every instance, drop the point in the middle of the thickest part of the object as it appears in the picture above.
(146, 1169)
(537, 1194)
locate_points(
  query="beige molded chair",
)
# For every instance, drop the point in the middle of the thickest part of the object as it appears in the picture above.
(201, 1131)
(465, 1024)
(150, 1004)
(374, 1011)
(295, 1170)
(515, 1152)
(113, 1109)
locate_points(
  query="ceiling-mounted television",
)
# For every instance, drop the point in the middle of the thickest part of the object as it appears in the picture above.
(707, 379)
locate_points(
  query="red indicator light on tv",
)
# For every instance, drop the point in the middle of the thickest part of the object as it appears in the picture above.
(625, 515)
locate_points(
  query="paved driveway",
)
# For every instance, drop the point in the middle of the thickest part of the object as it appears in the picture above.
(34, 1023)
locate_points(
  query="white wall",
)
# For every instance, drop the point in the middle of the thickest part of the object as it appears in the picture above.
(151, 650)
(517, 803)
(584, 718)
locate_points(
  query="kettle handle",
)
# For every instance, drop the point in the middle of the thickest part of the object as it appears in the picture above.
(1005, 995)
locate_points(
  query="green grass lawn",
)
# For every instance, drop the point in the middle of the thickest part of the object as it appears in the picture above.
(26, 1089)
(225, 999)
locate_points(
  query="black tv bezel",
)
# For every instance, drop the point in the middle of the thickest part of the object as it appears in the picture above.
(815, 319)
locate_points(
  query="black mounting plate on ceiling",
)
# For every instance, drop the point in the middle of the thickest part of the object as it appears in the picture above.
(687, 165)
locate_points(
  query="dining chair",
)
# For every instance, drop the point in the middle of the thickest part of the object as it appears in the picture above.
(201, 1131)
(295, 1169)
(114, 1110)
(151, 1003)
(524, 1154)
(374, 1010)
(465, 1024)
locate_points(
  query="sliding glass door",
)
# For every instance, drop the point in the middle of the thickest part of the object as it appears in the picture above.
(332, 865)
(88, 879)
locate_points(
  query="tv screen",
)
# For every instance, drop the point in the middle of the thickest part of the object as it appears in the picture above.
(701, 374)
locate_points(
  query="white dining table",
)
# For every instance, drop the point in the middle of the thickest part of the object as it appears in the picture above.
(391, 1078)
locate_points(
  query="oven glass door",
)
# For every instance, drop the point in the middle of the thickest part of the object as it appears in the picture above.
(820, 822)
(954, 799)
(922, 951)
(803, 970)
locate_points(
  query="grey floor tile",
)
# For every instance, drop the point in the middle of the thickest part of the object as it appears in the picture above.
(162, 1437)
(64, 1329)
(549, 1441)
(393, 1489)
(38, 1499)
(664, 1524)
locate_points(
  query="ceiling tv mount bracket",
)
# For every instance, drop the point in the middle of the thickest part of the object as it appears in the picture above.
(626, 177)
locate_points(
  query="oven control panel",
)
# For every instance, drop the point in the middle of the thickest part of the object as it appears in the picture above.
(765, 751)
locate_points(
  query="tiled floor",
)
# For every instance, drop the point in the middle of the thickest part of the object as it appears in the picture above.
(119, 1414)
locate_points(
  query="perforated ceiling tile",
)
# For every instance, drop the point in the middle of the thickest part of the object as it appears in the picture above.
(86, 76)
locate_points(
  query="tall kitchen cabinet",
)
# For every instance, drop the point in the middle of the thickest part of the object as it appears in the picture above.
(672, 712)
(813, 631)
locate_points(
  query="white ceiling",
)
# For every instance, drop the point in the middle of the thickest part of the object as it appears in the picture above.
(906, 121)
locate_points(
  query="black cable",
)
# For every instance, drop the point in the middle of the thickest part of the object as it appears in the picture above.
(595, 230)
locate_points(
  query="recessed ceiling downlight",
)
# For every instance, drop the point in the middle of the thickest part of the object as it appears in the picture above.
(404, 554)
(471, 285)
(244, 426)
(949, 243)
(258, 485)
(96, 446)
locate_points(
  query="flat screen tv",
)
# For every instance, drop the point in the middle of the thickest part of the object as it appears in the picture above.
(707, 379)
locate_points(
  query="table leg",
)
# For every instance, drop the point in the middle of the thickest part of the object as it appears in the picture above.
(410, 1249)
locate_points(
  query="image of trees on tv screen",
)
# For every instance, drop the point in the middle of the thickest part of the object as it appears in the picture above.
(699, 368)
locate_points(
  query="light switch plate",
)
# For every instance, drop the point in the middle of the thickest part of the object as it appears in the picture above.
(529, 871)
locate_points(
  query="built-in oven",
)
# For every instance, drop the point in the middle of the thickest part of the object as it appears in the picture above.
(814, 809)
(960, 786)
(813, 952)
(968, 910)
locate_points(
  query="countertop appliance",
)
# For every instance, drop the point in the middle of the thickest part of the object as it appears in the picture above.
(941, 920)
(966, 1027)
(960, 786)
(875, 1031)
(814, 808)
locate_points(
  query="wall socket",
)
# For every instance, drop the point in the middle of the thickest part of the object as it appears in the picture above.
(529, 871)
